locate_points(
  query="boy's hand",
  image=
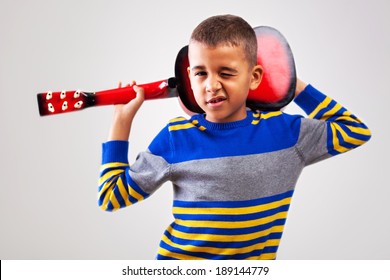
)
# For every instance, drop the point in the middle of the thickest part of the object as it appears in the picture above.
(124, 115)
(299, 87)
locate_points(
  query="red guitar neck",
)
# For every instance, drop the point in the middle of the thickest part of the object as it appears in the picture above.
(50, 103)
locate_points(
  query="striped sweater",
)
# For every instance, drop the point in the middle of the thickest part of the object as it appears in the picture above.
(233, 182)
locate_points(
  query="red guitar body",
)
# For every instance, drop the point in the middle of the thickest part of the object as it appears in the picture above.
(277, 87)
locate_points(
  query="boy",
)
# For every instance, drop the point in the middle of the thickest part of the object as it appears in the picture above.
(233, 170)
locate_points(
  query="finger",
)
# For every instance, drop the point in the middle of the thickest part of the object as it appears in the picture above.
(140, 92)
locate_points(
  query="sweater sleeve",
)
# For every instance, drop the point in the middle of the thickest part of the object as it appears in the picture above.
(121, 185)
(330, 128)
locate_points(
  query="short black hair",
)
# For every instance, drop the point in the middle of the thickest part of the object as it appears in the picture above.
(227, 30)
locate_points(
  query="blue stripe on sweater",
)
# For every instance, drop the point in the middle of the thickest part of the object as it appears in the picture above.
(271, 249)
(282, 132)
(232, 204)
(216, 244)
(228, 231)
(233, 217)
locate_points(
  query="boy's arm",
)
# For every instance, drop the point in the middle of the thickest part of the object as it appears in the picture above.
(124, 115)
(338, 131)
(115, 190)
(122, 185)
(301, 85)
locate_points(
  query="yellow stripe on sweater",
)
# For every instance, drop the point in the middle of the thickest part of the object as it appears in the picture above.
(270, 114)
(331, 112)
(222, 251)
(268, 256)
(222, 237)
(107, 185)
(231, 225)
(113, 165)
(113, 200)
(335, 141)
(181, 126)
(167, 253)
(227, 211)
(135, 194)
(201, 127)
(123, 192)
(178, 119)
(111, 173)
(346, 137)
(105, 201)
(359, 130)
(321, 106)
(347, 117)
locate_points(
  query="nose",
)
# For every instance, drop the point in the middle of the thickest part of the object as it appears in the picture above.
(213, 84)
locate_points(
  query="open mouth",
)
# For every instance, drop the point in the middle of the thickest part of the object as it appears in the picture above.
(216, 100)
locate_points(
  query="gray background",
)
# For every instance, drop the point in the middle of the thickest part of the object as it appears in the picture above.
(50, 166)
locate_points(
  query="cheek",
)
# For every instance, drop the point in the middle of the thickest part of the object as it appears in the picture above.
(196, 90)
(198, 96)
(196, 86)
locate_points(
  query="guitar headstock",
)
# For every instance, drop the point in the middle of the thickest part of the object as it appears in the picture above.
(51, 103)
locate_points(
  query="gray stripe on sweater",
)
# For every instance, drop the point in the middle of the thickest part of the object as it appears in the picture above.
(237, 178)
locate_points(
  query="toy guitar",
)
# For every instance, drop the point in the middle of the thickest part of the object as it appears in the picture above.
(275, 91)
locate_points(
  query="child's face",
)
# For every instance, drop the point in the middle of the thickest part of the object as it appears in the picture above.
(220, 79)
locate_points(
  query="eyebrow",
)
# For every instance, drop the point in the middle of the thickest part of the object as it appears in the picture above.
(223, 68)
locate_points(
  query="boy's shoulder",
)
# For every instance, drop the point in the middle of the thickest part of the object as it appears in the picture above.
(275, 120)
(183, 123)
(272, 117)
(178, 119)
(266, 118)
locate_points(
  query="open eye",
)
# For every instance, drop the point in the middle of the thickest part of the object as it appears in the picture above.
(200, 73)
(78, 104)
(50, 107)
(76, 94)
(63, 94)
(49, 95)
(64, 106)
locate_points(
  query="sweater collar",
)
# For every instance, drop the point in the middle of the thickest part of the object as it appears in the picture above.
(201, 118)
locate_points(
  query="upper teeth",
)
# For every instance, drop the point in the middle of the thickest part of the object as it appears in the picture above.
(216, 100)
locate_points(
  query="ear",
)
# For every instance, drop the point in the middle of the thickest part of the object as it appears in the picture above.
(189, 75)
(257, 75)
